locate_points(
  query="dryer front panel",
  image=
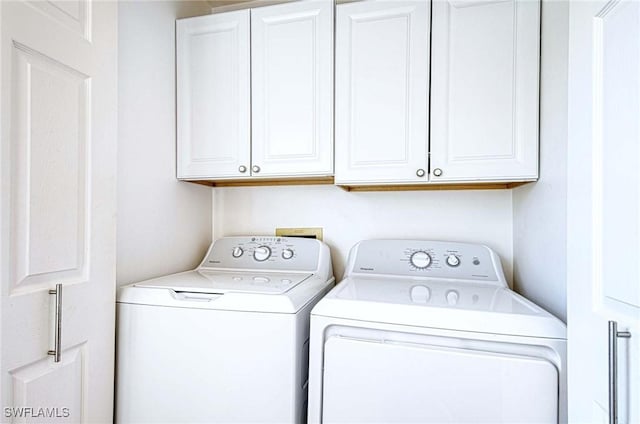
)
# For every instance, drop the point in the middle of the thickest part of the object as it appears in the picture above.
(386, 380)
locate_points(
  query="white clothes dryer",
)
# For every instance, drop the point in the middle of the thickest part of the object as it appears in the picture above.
(429, 332)
(227, 342)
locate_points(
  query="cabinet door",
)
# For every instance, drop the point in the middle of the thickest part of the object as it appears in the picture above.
(484, 95)
(213, 96)
(292, 89)
(382, 77)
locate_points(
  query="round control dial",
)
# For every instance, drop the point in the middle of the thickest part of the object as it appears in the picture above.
(261, 253)
(420, 259)
(237, 252)
(453, 260)
(287, 254)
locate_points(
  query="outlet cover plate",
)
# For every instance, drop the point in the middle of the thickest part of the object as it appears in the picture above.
(315, 233)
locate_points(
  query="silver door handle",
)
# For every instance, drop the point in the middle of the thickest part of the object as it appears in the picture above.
(57, 337)
(614, 334)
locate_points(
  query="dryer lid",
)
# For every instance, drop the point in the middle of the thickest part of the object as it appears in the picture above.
(439, 304)
(222, 282)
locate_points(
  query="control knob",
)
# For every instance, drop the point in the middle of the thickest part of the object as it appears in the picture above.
(287, 254)
(420, 259)
(453, 260)
(261, 253)
(237, 252)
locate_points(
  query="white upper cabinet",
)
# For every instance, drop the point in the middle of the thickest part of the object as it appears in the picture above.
(213, 97)
(382, 92)
(292, 89)
(484, 90)
(425, 92)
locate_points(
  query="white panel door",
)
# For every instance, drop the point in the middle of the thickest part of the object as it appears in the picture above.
(292, 89)
(213, 96)
(58, 70)
(382, 89)
(484, 90)
(604, 208)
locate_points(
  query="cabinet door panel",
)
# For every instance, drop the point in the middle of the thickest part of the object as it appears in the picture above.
(484, 104)
(292, 89)
(382, 75)
(213, 95)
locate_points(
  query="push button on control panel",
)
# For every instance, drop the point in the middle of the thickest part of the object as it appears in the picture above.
(452, 297)
(261, 279)
(420, 294)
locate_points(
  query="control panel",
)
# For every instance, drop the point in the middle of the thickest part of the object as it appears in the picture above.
(264, 253)
(434, 259)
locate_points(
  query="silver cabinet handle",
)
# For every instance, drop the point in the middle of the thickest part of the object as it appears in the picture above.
(420, 173)
(57, 337)
(242, 169)
(255, 168)
(614, 334)
(437, 172)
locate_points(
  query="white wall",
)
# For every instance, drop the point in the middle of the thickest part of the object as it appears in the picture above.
(164, 225)
(539, 210)
(483, 216)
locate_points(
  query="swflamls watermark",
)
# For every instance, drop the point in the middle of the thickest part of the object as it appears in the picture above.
(31, 412)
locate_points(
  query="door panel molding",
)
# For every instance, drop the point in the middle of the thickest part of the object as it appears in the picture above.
(68, 402)
(51, 122)
(75, 15)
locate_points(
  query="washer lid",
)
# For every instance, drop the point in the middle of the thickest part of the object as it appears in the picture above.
(221, 282)
(231, 291)
(439, 304)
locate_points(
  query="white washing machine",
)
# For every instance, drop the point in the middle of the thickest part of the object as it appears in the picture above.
(429, 332)
(227, 342)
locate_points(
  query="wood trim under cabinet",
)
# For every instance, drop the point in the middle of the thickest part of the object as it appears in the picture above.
(265, 182)
(409, 187)
(381, 187)
(247, 4)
